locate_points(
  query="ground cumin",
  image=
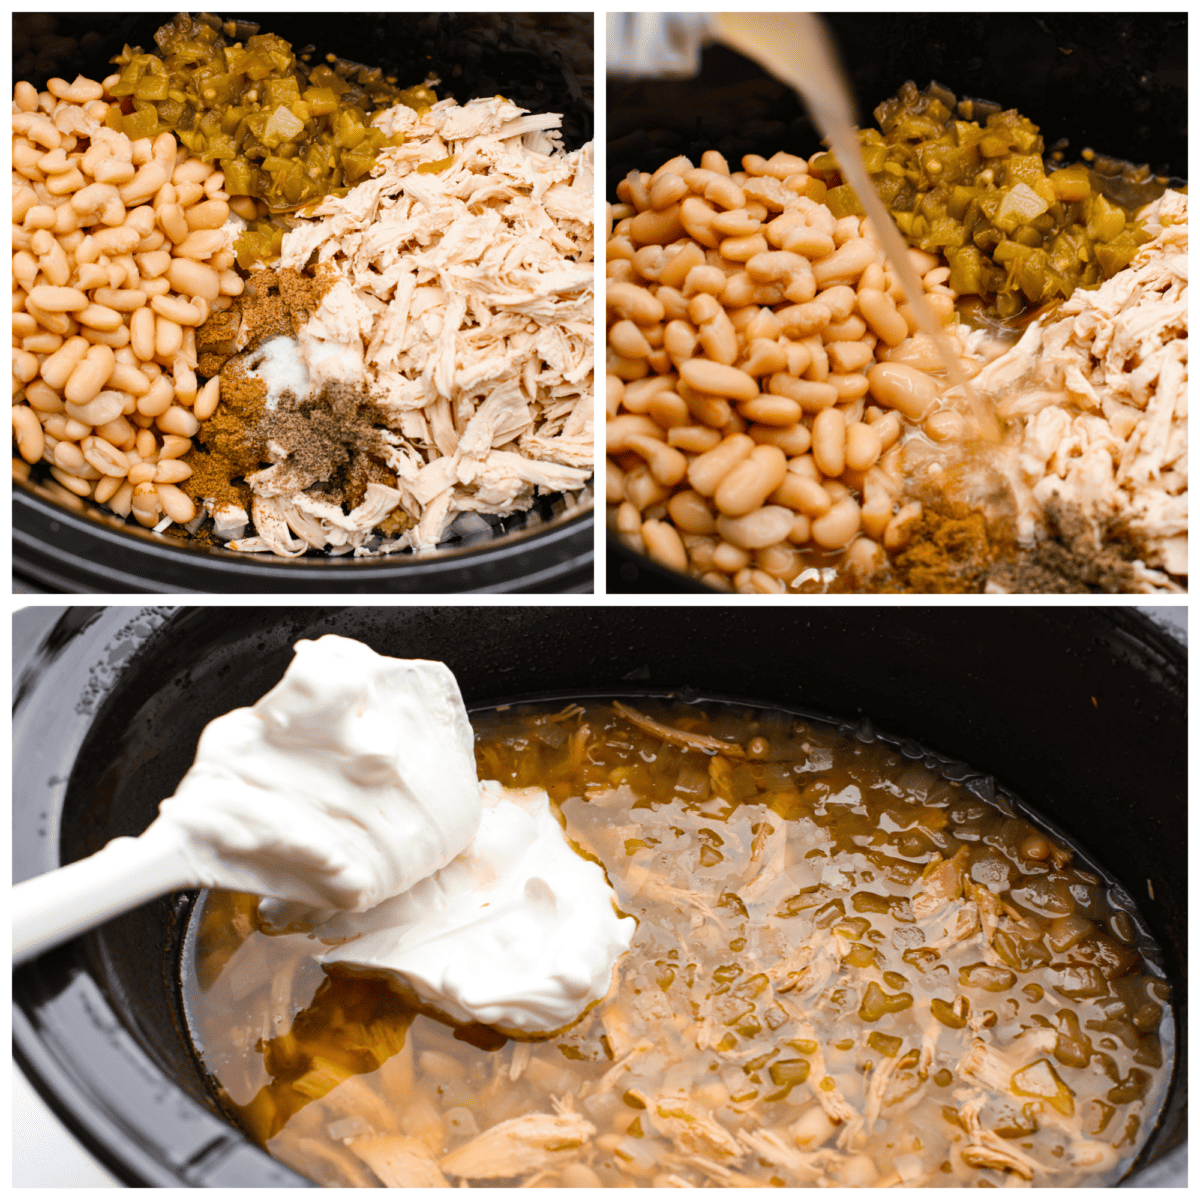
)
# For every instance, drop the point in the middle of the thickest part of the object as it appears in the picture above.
(332, 440)
(946, 553)
(216, 340)
(279, 302)
(229, 445)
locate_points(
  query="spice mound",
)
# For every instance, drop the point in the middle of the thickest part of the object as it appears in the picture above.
(423, 351)
(960, 550)
(321, 439)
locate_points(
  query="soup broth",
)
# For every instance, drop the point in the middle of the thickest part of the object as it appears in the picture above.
(854, 965)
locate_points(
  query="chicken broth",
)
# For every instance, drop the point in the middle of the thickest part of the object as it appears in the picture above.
(853, 966)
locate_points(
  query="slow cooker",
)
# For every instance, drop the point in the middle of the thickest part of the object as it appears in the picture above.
(1079, 712)
(541, 62)
(1117, 85)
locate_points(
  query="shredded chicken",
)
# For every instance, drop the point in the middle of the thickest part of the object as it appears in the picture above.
(463, 301)
(692, 1130)
(682, 898)
(929, 1042)
(808, 970)
(619, 1027)
(530, 1143)
(940, 883)
(988, 1149)
(993, 1069)
(1100, 388)
(522, 1051)
(678, 737)
(708, 1030)
(768, 860)
(959, 925)
(719, 1173)
(987, 905)
(628, 1014)
(354, 1097)
(777, 1150)
(877, 1088)
(400, 1161)
(788, 973)
(823, 1086)
(611, 1077)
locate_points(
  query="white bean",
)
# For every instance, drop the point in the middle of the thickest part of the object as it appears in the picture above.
(763, 527)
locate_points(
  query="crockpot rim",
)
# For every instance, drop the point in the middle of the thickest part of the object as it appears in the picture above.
(162, 546)
(43, 1071)
(569, 535)
(86, 1124)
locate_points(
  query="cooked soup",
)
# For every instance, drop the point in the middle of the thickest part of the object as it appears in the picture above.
(849, 969)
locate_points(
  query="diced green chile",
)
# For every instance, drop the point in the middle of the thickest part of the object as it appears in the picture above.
(1042, 1081)
(961, 188)
(884, 1043)
(789, 1071)
(877, 1003)
(990, 979)
(280, 129)
(944, 1012)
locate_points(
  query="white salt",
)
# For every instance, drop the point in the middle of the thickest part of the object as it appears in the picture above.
(279, 365)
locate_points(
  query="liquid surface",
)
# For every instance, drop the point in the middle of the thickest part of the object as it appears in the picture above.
(847, 971)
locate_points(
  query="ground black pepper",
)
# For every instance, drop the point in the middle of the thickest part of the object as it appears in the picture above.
(1074, 555)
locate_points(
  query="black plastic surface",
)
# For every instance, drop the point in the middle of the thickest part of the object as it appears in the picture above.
(1081, 712)
(61, 551)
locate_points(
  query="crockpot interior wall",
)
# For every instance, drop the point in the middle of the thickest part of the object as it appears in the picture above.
(1116, 83)
(473, 54)
(1080, 712)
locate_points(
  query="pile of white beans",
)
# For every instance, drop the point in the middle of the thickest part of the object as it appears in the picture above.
(118, 255)
(762, 367)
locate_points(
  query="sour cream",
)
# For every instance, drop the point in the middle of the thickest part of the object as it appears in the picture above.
(519, 931)
(347, 783)
(348, 798)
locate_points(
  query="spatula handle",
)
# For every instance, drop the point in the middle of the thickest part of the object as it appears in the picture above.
(53, 907)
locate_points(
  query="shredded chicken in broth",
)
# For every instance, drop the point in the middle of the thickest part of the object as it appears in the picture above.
(847, 971)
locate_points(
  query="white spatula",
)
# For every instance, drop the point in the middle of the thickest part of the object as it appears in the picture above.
(350, 781)
(51, 908)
